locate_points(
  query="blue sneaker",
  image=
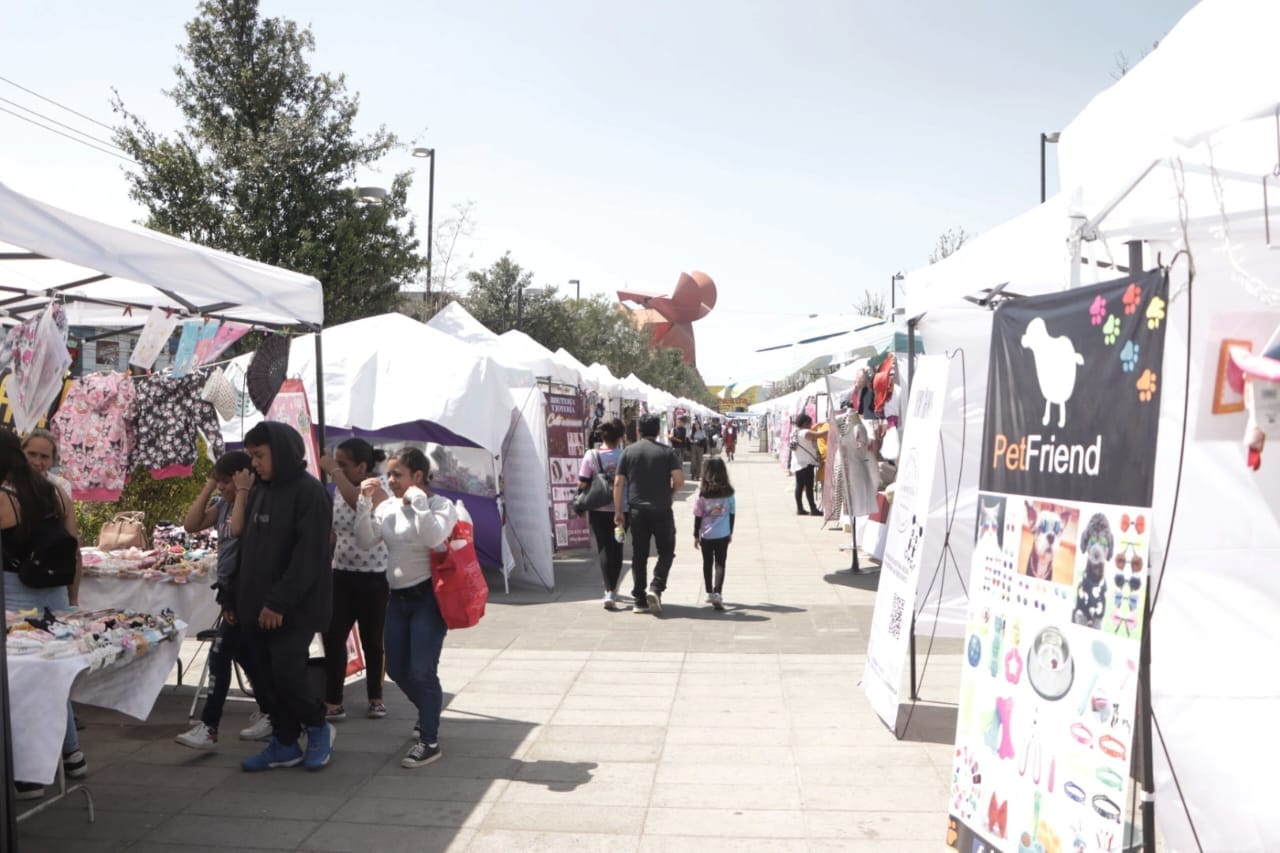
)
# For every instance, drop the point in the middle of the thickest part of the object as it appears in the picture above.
(320, 746)
(275, 755)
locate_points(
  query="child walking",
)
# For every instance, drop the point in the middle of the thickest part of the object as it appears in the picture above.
(713, 515)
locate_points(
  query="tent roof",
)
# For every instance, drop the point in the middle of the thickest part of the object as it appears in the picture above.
(46, 249)
(456, 321)
(515, 345)
(374, 387)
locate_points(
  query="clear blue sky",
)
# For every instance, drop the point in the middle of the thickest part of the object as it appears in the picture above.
(798, 152)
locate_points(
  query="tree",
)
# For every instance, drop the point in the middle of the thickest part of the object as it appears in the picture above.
(1124, 66)
(265, 162)
(873, 304)
(422, 304)
(497, 295)
(949, 242)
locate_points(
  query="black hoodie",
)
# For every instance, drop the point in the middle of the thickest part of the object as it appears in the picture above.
(284, 550)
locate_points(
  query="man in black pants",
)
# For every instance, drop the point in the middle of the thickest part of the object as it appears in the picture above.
(649, 474)
(284, 593)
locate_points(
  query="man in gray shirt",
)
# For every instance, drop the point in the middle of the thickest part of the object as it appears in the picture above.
(649, 474)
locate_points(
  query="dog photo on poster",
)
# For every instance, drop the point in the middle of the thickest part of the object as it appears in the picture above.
(1059, 574)
(1074, 398)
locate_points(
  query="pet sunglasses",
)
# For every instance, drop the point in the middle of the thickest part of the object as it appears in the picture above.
(1133, 600)
(1127, 557)
(1138, 523)
(1134, 581)
(1045, 526)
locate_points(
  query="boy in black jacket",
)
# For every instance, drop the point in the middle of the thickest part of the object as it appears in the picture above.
(284, 592)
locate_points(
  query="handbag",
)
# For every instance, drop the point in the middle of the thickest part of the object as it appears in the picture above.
(598, 494)
(124, 531)
(459, 585)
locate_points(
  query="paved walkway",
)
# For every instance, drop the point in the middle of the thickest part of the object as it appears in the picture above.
(568, 727)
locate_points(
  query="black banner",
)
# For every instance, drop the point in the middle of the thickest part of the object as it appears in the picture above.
(1047, 434)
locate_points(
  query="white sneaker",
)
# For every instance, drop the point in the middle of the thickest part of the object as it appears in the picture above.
(200, 737)
(610, 601)
(259, 727)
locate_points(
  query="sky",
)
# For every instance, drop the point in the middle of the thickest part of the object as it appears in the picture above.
(800, 153)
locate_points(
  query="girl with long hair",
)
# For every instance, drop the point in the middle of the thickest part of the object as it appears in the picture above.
(28, 499)
(714, 510)
(359, 582)
(604, 461)
(412, 523)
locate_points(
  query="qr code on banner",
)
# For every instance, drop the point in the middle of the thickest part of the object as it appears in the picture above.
(895, 616)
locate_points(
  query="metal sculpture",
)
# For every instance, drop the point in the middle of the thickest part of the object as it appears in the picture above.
(670, 319)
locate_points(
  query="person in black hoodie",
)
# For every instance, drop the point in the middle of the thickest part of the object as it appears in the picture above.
(284, 592)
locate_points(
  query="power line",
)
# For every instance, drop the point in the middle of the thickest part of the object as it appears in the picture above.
(71, 128)
(56, 104)
(68, 136)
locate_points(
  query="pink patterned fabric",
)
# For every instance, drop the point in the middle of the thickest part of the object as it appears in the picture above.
(95, 438)
(38, 351)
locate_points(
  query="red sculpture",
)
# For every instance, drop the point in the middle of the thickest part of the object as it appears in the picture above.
(670, 318)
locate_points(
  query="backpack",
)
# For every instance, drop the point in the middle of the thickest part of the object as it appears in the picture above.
(51, 561)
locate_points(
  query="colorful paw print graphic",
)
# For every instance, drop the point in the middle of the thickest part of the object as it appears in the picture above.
(1111, 329)
(1132, 296)
(1146, 385)
(1129, 356)
(1097, 310)
(1155, 312)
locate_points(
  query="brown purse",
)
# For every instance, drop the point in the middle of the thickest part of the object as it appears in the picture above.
(124, 531)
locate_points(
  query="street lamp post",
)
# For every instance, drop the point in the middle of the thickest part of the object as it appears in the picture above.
(893, 292)
(429, 153)
(1045, 138)
(577, 288)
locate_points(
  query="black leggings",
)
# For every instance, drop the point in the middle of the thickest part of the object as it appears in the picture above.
(609, 547)
(359, 598)
(804, 485)
(714, 551)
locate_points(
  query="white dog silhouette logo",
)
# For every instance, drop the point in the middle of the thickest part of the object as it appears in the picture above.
(1056, 361)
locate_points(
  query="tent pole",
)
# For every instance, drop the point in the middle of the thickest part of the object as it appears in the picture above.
(911, 372)
(1148, 805)
(1136, 266)
(8, 805)
(319, 333)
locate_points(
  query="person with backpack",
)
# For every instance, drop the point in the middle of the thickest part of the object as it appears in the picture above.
(40, 565)
(604, 461)
(714, 510)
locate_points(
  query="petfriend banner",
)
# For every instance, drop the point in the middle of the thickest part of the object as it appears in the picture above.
(1074, 397)
(1059, 574)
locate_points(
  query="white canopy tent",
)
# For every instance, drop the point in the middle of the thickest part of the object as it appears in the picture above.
(456, 322)
(1175, 154)
(515, 346)
(374, 388)
(104, 273)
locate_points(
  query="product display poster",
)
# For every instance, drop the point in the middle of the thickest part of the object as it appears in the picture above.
(1059, 576)
(566, 444)
(290, 407)
(900, 569)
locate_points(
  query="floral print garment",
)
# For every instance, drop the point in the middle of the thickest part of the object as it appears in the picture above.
(169, 411)
(94, 435)
(37, 350)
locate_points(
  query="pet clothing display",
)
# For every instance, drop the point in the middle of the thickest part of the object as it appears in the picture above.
(169, 412)
(36, 351)
(154, 338)
(95, 434)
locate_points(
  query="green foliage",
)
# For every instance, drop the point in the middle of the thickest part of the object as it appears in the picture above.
(265, 164)
(161, 500)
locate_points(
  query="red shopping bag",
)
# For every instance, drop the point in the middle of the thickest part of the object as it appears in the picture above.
(460, 587)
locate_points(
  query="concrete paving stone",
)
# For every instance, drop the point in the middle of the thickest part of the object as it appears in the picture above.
(564, 818)
(134, 798)
(703, 844)
(571, 717)
(333, 781)
(867, 757)
(845, 845)
(457, 725)
(337, 837)
(898, 826)
(871, 795)
(243, 833)
(755, 753)
(532, 686)
(65, 845)
(500, 703)
(283, 804)
(129, 773)
(678, 736)
(228, 754)
(456, 766)
(116, 827)
(601, 734)
(618, 750)
(837, 774)
(564, 774)
(726, 823)
(623, 687)
(397, 811)
(506, 840)
(610, 702)
(775, 795)
(420, 784)
(725, 774)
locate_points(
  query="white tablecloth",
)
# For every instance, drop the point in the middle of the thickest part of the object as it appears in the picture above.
(39, 688)
(194, 603)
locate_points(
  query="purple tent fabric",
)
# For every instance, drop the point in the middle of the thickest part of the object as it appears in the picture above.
(487, 523)
(412, 431)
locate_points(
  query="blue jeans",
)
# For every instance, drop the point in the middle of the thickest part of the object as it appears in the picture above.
(415, 637)
(228, 647)
(19, 596)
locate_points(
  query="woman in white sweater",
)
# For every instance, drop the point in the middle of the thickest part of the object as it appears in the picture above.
(412, 523)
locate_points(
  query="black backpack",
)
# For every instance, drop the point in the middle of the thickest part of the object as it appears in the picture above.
(51, 560)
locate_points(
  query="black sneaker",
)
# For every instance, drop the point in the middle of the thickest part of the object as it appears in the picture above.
(74, 765)
(28, 791)
(420, 755)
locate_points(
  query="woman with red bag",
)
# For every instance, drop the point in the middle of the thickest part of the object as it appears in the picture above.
(412, 523)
